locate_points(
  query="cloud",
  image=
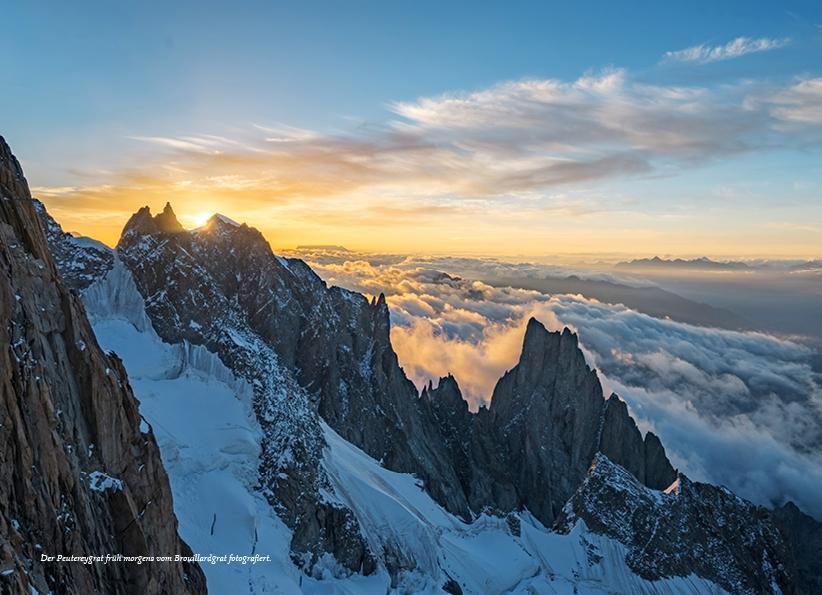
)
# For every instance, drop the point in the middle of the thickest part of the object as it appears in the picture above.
(740, 46)
(511, 143)
(739, 409)
(800, 103)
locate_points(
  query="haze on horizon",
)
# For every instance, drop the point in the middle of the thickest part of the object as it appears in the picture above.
(458, 129)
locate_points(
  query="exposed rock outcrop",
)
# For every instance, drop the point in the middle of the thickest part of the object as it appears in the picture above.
(221, 286)
(621, 441)
(532, 447)
(547, 412)
(690, 528)
(79, 261)
(77, 474)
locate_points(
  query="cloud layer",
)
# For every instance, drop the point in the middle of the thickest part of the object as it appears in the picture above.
(740, 46)
(739, 409)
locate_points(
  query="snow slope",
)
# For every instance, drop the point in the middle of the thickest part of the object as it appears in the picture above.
(486, 556)
(209, 439)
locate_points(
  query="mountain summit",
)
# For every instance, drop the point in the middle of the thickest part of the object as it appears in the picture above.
(144, 222)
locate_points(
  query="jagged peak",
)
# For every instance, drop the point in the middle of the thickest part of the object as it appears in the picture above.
(539, 343)
(534, 326)
(220, 219)
(447, 392)
(447, 379)
(651, 437)
(143, 222)
(449, 383)
(613, 397)
(380, 308)
(536, 331)
(167, 220)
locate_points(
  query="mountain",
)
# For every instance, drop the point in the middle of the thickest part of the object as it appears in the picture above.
(547, 419)
(305, 348)
(329, 247)
(336, 346)
(288, 428)
(689, 528)
(81, 473)
(804, 536)
(695, 264)
(328, 390)
(650, 300)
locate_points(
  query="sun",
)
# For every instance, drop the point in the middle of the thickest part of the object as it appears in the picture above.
(199, 219)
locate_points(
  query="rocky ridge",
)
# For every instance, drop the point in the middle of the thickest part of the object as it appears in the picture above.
(336, 345)
(78, 474)
(190, 297)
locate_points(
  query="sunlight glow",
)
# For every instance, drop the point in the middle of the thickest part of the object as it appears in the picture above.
(197, 219)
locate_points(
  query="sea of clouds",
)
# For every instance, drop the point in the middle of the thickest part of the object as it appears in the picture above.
(738, 409)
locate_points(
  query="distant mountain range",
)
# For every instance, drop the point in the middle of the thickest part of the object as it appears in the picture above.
(696, 264)
(706, 264)
(329, 247)
(650, 300)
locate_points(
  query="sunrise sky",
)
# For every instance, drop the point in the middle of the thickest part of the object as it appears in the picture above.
(428, 126)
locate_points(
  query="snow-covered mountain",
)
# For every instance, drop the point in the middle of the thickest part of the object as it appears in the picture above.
(288, 428)
(213, 462)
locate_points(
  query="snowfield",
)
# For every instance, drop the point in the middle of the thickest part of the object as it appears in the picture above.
(209, 439)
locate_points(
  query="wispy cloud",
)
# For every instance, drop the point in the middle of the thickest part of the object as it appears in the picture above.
(512, 138)
(740, 46)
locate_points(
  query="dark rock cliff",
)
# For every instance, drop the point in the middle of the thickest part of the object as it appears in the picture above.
(77, 474)
(532, 447)
(804, 536)
(220, 286)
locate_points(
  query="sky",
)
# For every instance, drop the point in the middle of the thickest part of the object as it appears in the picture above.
(516, 128)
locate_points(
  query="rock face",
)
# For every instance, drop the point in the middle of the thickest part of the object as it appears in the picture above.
(690, 528)
(333, 342)
(221, 286)
(547, 420)
(79, 261)
(621, 441)
(77, 474)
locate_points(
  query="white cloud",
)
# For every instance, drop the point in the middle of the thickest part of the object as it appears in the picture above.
(740, 46)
